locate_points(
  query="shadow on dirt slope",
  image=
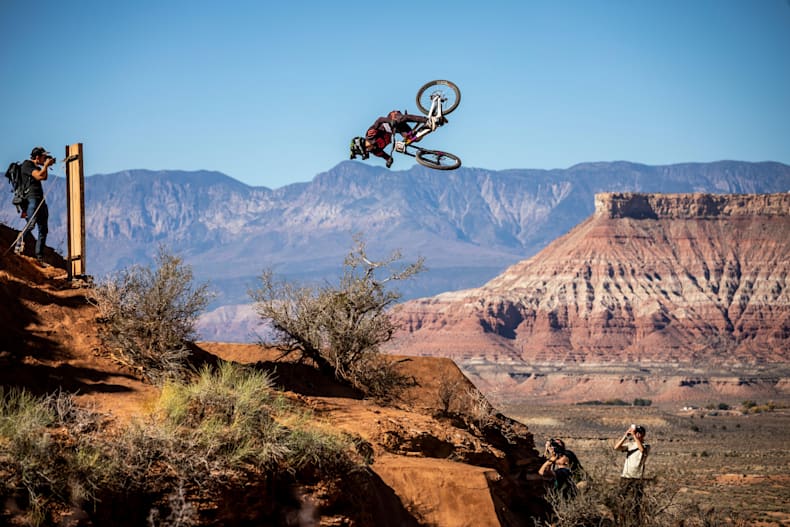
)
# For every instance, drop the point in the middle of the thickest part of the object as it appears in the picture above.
(45, 327)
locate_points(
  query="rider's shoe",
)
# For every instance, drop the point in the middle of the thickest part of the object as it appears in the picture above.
(389, 161)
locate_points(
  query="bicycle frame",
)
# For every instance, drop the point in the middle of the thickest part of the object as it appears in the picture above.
(422, 129)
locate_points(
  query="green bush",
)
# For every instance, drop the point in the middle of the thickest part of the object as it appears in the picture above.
(616, 402)
(46, 453)
(229, 422)
(228, 414)
(753, 407)
(314, 450)
(228, 426)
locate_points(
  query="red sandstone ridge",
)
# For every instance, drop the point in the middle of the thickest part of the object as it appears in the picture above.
(649, 279)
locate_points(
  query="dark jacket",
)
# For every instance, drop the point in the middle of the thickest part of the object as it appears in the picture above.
(34, 188)
(380, 132)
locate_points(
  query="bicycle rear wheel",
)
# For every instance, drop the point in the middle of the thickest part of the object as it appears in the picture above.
(447, 89)
(438, 160)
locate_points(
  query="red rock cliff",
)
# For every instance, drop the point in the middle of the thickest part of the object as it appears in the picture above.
(648, 279)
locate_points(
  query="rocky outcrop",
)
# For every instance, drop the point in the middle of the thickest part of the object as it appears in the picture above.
(689, 206)
(647, 280)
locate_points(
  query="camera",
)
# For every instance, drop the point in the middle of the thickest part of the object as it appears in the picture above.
(52, 158)
(555, 446)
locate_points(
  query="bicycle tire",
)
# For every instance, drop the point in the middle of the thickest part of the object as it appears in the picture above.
(435, 159)
(426, 90)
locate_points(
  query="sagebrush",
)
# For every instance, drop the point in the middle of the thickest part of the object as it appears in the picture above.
(148, 316)
(339, 327)
(46, 453)
(228, 426)
(603, 501)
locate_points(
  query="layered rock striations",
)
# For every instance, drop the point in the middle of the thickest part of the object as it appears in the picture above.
(647, 280)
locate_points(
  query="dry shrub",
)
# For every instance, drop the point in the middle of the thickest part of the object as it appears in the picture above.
(180, 512)
(603, 501)
(339, 328)
(148, 316)
(46, 453)
(475, 405)
(450, 390)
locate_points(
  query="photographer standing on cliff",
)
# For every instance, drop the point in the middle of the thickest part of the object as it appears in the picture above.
(633, 476)
(36, 169)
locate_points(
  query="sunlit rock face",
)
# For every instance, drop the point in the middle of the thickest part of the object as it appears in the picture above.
(647, 279)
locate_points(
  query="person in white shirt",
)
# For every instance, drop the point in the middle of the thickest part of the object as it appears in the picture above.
(632, 478)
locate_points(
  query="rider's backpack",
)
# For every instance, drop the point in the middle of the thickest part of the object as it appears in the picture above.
(20, 184)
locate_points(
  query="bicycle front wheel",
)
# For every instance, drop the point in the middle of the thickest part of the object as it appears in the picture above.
(438, 160)
(447, 90)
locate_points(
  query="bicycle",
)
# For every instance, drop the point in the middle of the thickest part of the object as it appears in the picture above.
(435, 102)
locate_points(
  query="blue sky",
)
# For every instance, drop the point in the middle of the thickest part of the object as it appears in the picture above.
(271, 93)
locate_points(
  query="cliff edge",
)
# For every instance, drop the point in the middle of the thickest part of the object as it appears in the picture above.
(689, 206)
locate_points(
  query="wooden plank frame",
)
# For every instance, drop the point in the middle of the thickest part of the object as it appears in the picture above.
(75, 211)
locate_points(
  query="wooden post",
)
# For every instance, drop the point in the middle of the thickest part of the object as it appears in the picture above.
(75, 211)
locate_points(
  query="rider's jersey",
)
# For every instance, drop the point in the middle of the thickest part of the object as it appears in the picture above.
(380, 132)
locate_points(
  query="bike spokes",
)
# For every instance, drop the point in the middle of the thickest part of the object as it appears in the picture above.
(446, 91)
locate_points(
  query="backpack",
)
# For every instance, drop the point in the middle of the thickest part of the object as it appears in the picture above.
(20, 184)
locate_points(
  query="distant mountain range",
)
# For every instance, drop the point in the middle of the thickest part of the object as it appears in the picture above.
(469, 224)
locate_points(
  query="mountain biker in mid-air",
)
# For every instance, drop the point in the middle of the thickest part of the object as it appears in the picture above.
(379, 135)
